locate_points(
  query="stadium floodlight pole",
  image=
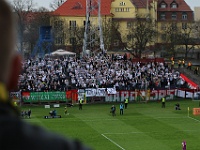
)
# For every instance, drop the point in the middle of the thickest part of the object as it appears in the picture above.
(100, 27)
(93, 27)
(87, 22)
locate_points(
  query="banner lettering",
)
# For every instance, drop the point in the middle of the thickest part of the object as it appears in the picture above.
(43, 96)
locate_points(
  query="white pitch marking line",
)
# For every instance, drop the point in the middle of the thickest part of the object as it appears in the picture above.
(99, 119)
(170, 117)
(128, 133)
(193, 119)
(113, 142)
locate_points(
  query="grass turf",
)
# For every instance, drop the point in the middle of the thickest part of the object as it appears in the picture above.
(144, 126)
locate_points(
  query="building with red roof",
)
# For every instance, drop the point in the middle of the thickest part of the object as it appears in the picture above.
(72, 13)
(176, 14)
(77, 8)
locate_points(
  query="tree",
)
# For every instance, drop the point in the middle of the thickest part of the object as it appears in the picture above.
(187, 38)
(197, 33)
(141, 34)
(22, 9)
(60, 29)
(56, 3)
(170, 37)
(111, 34)
(197, 29)
(41, 17)
(67, 32)
(76, 35)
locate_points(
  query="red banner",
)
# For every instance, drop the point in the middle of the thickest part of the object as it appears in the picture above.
(191, 83)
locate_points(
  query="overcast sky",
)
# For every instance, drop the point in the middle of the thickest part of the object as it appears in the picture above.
(45, 3)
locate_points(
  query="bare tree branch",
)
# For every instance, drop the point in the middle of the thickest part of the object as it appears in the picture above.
(56, 3)
(141, 34)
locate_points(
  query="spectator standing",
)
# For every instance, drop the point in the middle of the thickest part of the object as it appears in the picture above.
(22, 134)
(189, 65)
(183, 63)
(179, 63)
(172, 58)
(172, 64)
(196, 70)
(121, 107)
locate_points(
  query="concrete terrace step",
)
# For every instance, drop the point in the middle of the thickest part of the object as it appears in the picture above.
(190, 74)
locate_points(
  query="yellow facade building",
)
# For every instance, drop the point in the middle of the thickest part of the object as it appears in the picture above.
(69, 19)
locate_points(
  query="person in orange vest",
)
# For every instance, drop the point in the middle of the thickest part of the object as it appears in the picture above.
(172, 64)
(189, 65)
(183, 63)
(179, 63)
(196, 70)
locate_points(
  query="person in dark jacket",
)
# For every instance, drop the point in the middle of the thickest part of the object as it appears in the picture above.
(113, 110)
(14, 132)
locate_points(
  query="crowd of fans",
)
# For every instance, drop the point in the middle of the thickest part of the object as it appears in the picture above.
(101, 71)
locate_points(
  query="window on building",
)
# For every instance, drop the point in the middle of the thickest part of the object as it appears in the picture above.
(163, 5)
(58, 24)
(127, 9)
(174, 26)
(174, 5)
(122, 4)
(163, 26)
(184, 16)
(129, 24)
(72, 40)
(84, 22)
(116, 43)
(186, 35)
(184, 25)
(162, 16)
(174, 16)
(78, 5)
(163, 37)
(72, 24)
(122, 9)
(59, 40)
(129, 37)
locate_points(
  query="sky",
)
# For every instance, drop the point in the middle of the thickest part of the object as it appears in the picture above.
(45, 3)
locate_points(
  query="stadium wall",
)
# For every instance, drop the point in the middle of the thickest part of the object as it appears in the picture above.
(93, 95)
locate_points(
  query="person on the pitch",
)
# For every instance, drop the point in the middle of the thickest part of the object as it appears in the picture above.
(121, 107)
(163, 102)
(113, 110)
(126, 103)
(80, 104)
(65, 110)
(184, 145)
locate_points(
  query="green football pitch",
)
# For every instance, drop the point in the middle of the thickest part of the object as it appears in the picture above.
(144, 126)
